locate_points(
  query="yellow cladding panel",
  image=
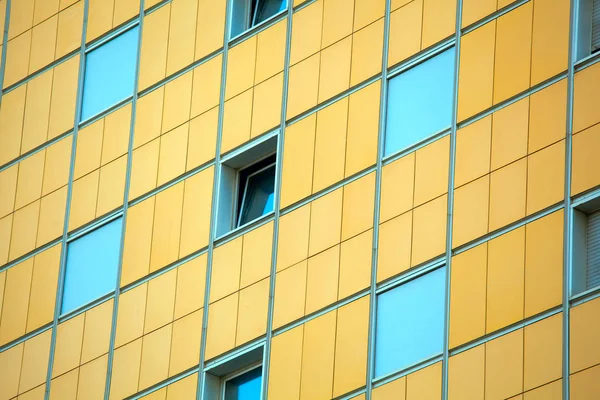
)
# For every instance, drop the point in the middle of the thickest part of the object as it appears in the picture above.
(270, 51)
(222, 317)
(474, 10)
(5, 233)
(144, 169)
(189, 295)
(303, 85)
(185, 343)
(52, 216)
(509, 133)
(181, 40)
(367, 52)
(70, 25)
(202, 139)
(429, 230)
(89, 149)
(37, 109)
(468, 295)
(226, 267)
(358, 206)
(325, 222)
(290, 294)
(16, 301)
(439, 20)
(306, 31)
(126, 370)
(43, 44)
(338, 16)
(397, 187)
(425, 383)
(167, 227)
(69, 339)
(585, 384)
(10, 369)
(547, 116)
(196, 211)
(173, 149)
(334, 75)
(286, 365)
(545, 177)
(206, 86)
(12, 110)
(124, 10)
(507, 194)
(322, 279)
(160, 301)
(154, 47)
(298, 156)
(585, 329)
(550, 391)
(31, 172)
(585, 160)
(394, 390)
(237, 121)
(473, 151)
(64, 95)
(586, 96)
(131, 314)
(466, 378)
(43, 288)
(138, 241)
(352, 333)
(21, 17)
(177, 102)
(156, 350)
(184, 389)
(367, 11)
(431, 171)
(471, 211)
(355, 264)
(148, 117)
(100, 16)
(395, 241)
(405, 32)
(256, 256)
(111, 186)
(96, 333)
(252, 312)
(65, 386)
(35, 361)
(504, 366)
(542, 352)
(240, 67)
(25, 223)
(56, 168)
(266, 107)
(317, 357)
(8, 187)
(210, 25)
(17, 58)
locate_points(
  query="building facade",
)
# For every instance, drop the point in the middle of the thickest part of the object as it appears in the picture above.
(300, 200)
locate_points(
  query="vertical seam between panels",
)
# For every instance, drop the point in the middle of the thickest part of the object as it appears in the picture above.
(4, 52)
(113, 332)
(376, 214)
(450, 210)
(63, 250)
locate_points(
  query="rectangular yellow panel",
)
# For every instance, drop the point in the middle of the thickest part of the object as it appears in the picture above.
(429, 230)
(35, 361)
(70, 24)
(286, 365)
(545, 177)
(306, 32)
(111, 186)
(131, 314)
(587, 93)
(52, 216)
(508, 194)
(425, 384)
(160, 301)
(209, 26)
(37, 108)
(153, 59)
(505, 287)
(126, 370)
(96, 333)
(5, 233)
(338, 17)
(226, 269)
(471, 208)
(177, 102)
(89, 148)
(10, 369)
(293, 237)
(222, 317)
(468, 295)
(466, 379)
(474, 10)
(11, 123)
(181, 37)
(21, 17)
(542, 352)
(439, 20)
(266, 105)
(256, 255)
(35, 394)
(473, 144)
(202, 139)
(585, 329)
(116, 133)
(405, 32)
(100, 15)
(551, 391)
(43, 44)
(325, 222)
(431, 170)
(17, 58)
(156, 350)
(367, 52)
(42, 11)
(206, 85)
(270, 51)
(317, 357)
(29, 183)
(358, 206)
(397, 187)
(189, 295)
(196, 211)
(144, 169)
(148, 117)
(298, 156)
(167, 227)
(16, 301)
(184, 389)
(237, 120)
(585, 162)
(290, 294)
(334, 75)
(25, 222)
(252, 312)
(547, 116)
(67, 351)
(585, 384)
(8, 187)
(367, 11)
(322, 279)
(92, 379)
(395, 241)
(355, 264)
(509, 133)
(64, 386)
(185, 343)
(64, 94)
(173, 149)
(125, 10)
(43, 288)
(303, 85)
(240, 67)
(56, 168)
(504, 366)
(352, 333)
(330, 145)
(394, 390)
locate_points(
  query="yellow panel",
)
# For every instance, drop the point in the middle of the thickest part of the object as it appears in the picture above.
(111, 186)
(585, 160)
(222, 316)
(21, 17)
(338, 16)
(185, 344)
(42, 11)
(547, 115)
(10, 369)
(126, 370)
(397, 187)
(202, 139)
(330, 146)
(358, 205)
(513, 52)
(543, 263)
(352, 333)
(56, 168)
(545, 177)
(473, 144)
(64, 94)
(125, 10)
(550, 41)
(290, 294)
(89, 149)
(11, 123)
(240, 67)
(470, 211)
(468, 295)
(367, 52)
(64, 387)
(100, 15)
(367, 11)
(167, 227)
(293, 237)
(507, 194)
(34, 394)
(43, 288)
(196, 211)
(92, 379)
(298, 155)
(474, 10)
(286, 365)
(237, 121)
(130, 316)
(5, 233)
(542, 352)
(154, 46)
(16, 301)
(52, 216)
(431, 171)
(252, 312)
(394, 390)
(35, 361)
(585, 384)
(226, 267)
(587, 93)
(69, 339)
(425, 384)
(177, 102)
(209, 26)
(148, 117)
(303, 85)
(585, 330)
(395, 240)
(191, 278)
(270, 51)
(206, 86)
(551, 391)
(70, 24)
(43, 44)
(334, 73)
(317, 357)
(266, 107)
(156, 350)
(25, 222)
(160, 301)
(476, 74)
(17, 58)
(325, 222)
(322, 279)
(181, 39)
(355, 264)
(173, 149)
(363, 125)
(439, 20)
(256, 256)
(509, 133)
(405, 32)
(429, 230)
(306, 32)
(504, 366)
(144, 169)
(466, 374)
(183, 389)
(31, 172)
(2, 282)
(96, 333)
(37, 108)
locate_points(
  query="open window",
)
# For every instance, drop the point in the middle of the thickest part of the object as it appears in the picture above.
(588, 28)
(586, 247)
(248, 13)
(239, 378)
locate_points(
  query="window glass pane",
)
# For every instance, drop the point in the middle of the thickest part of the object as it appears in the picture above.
(410, 323)
(420, 102)
(109, 73)
(268, 8)
(258, 195)
(245, 387)
(240, 16)
(91, 270)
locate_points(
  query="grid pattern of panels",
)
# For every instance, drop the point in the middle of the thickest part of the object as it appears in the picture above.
(476, 186)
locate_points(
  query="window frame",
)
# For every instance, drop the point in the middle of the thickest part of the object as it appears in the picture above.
(580, 210)
(240, 209)
(238, 373)
(250, 16)
(584, 30)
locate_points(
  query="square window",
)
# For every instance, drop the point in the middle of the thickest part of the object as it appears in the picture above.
(588, 28)
(419, 102)
(586, 247)
(410, 323)
(92, 263)
(249, 13)
(109, 73)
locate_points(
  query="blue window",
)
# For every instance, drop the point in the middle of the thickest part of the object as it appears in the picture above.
(244, 387)
(91, 269)
(248, 13)
(410, 323)
(109, 73)
(256, 191)
(420, 102)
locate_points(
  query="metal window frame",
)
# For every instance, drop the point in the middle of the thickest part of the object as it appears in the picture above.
(240, 212)
(238, 373)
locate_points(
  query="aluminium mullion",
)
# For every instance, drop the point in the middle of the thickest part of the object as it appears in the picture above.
(4, 46)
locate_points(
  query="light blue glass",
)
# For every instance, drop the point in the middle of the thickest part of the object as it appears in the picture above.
(420, 102)
(245, 387)
(92, 262)
(109, 73)
(410, 323)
